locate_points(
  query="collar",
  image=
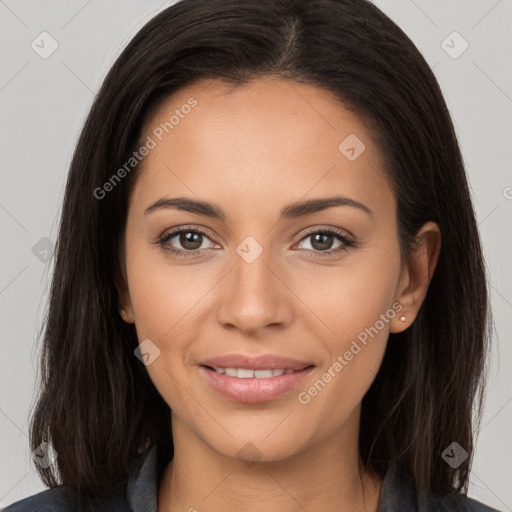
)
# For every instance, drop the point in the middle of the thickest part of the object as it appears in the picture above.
(142, 487)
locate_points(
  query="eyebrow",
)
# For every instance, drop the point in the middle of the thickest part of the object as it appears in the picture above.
(292, 211)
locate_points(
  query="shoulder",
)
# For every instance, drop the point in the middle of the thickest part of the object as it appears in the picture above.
(398, 493)
(58, 499)
(139, 492)
(455, 503)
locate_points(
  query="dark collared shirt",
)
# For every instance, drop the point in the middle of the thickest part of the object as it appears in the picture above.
(140, 494)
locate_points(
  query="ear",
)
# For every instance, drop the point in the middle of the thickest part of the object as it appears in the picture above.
(121, 282)
(416, 275)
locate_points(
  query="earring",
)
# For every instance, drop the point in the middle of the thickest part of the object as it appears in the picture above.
(123, 312)
(402, 318)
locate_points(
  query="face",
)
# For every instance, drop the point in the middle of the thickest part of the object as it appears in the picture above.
(260, 278)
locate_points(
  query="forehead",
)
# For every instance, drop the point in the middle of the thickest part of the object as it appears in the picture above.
(270, 138)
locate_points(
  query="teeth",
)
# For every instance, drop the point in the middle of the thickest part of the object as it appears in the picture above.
(244, 373)
(263, 374)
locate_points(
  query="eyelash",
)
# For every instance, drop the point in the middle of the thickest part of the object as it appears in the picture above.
(163, 242)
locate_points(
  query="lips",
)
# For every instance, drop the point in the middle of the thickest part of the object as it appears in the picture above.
(247, 379)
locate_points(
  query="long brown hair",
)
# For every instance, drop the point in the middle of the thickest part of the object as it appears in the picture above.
(98, 407)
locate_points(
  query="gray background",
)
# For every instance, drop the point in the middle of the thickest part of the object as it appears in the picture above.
(43, 103)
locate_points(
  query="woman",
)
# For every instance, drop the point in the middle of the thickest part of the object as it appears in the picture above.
(269, 291)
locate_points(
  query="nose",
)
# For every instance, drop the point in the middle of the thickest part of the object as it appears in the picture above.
(255, 296)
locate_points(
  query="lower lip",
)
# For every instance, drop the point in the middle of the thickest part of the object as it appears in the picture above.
(253, 391)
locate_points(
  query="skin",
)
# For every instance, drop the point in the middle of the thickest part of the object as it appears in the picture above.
(253, 150)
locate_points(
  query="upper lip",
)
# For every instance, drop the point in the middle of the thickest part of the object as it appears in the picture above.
(263, 362)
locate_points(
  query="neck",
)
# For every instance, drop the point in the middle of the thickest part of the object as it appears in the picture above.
(327, 477)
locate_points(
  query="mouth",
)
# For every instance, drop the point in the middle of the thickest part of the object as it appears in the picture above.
(247, 373)
(251, 386)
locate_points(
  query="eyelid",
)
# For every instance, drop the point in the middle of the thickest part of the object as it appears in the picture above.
(172, 232)
(186, 227)
(347, 241)
(328, 229)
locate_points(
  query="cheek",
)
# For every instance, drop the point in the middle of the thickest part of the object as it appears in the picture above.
(163, 295)
(334, 396)
(347, 299)
(353, 308)
(170, 303)
(331, 400)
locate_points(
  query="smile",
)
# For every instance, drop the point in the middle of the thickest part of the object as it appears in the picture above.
(253, 386)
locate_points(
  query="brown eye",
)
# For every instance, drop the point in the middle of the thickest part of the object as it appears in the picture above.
(321, 241)
(184, 242)
(189, 240)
